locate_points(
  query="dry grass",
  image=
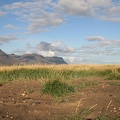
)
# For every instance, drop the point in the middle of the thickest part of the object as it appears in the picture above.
(66, 67)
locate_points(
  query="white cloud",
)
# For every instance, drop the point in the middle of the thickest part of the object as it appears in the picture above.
(47, 53)
(53, 49)
(39, 22)
(75, 7)
(100, 46)
(95, 38)
(7, 38)
(39, 14)
(73, 60)
(57, 47)
(103, 42)
(9, 26)
(82, 7)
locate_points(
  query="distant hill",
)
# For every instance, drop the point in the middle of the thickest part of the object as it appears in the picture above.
(11, 59)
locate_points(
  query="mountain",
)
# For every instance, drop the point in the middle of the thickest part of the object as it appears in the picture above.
(6, 59)
(11, 59)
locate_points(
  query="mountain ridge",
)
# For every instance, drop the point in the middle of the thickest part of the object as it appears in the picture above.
(12, 59)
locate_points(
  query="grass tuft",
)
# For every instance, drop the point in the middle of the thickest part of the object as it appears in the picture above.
(56, 88)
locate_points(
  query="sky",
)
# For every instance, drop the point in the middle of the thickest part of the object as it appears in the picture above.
(80, 31)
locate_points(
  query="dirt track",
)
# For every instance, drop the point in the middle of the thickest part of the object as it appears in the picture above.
(23, 101)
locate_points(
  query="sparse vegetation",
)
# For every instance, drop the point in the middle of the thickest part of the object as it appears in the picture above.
(114, 83)
(29, 91)
(87, 83)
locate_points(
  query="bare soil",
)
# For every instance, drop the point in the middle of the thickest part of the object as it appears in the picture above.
(22, 100)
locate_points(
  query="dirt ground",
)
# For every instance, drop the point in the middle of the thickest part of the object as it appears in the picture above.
(23, 101)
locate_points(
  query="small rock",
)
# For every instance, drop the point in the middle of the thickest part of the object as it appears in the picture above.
(1, 102)
(100, 112)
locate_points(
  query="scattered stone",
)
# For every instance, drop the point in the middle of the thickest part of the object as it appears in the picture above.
(11, 117)
(24, 101)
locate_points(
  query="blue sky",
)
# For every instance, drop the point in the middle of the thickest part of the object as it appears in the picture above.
(80, 31)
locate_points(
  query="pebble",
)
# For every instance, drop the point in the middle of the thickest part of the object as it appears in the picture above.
(100, 112)
(24, 101)
(23, 94)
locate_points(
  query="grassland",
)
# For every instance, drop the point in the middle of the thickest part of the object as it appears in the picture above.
(62, 82)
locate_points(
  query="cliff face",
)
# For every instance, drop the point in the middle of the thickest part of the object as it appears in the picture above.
(11, 59)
